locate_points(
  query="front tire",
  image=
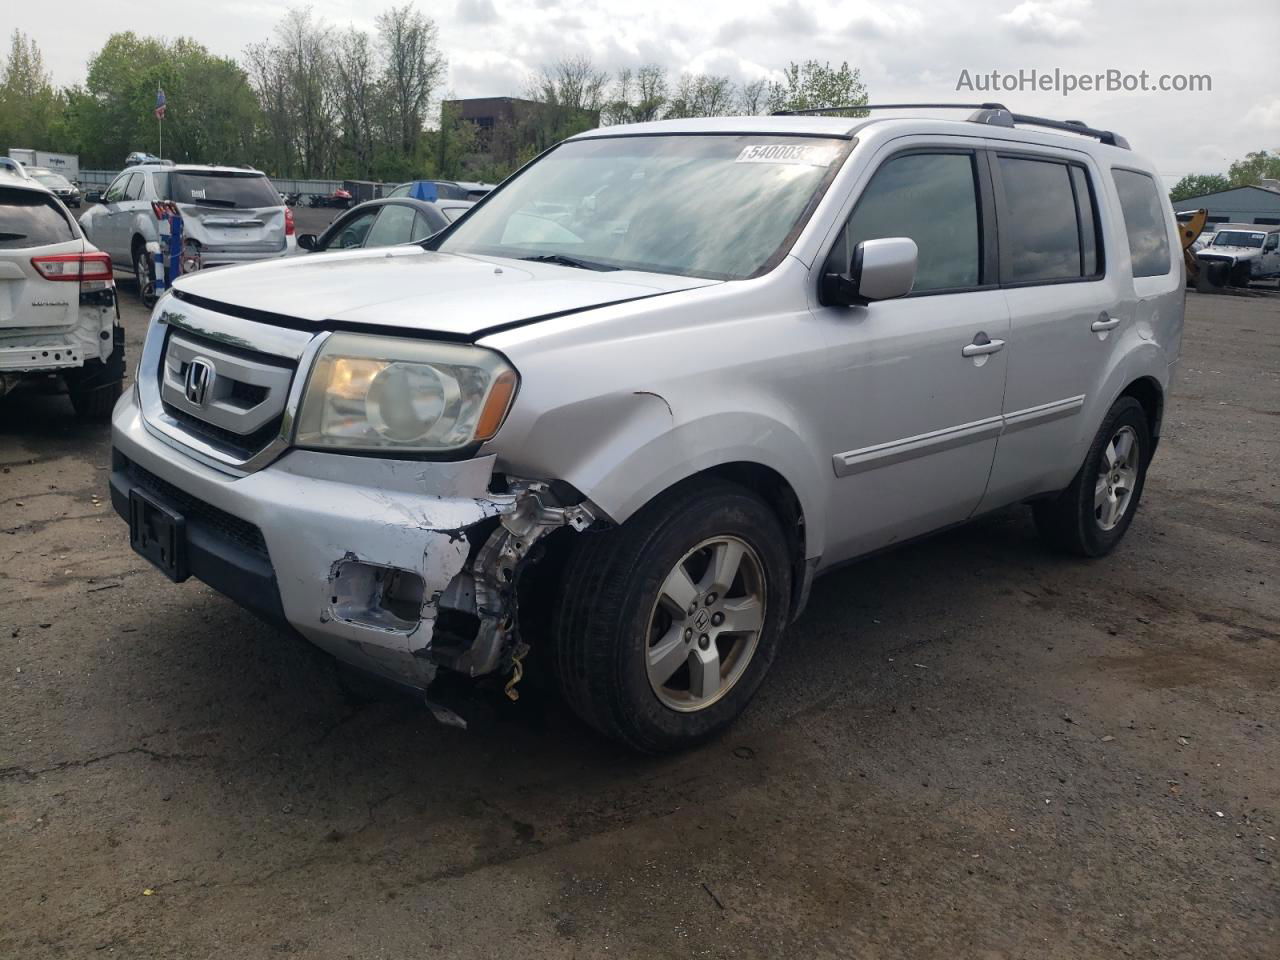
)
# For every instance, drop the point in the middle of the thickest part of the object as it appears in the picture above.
(667, 625)
(1091, 516)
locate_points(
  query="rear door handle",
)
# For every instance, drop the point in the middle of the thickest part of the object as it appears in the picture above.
(1102, 326)
(982, 349)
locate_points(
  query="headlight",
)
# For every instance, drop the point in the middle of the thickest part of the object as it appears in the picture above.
(387, 393)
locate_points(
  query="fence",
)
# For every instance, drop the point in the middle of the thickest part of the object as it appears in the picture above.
(100, 179)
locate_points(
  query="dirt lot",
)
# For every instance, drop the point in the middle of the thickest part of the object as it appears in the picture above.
(968, 748)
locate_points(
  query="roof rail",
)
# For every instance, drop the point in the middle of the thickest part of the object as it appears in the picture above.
(819, 111)
(996, 114)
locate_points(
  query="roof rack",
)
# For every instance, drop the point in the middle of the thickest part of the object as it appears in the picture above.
(996, 114)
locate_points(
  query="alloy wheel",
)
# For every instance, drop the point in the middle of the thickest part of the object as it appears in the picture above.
(705, 624)
(1117, 478)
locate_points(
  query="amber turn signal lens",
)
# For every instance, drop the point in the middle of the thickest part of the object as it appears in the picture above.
(496, 406)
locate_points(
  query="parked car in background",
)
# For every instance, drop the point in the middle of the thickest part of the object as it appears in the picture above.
(442, 190)
(378, 223)
(230, 215)
(140, 156)
(59, 186)
(1241, 252)
(633, 435)
(57, 300)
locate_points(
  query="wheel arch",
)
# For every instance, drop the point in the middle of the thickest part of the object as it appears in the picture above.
(1148, 392)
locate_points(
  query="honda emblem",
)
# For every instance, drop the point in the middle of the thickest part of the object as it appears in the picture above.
(200, 377)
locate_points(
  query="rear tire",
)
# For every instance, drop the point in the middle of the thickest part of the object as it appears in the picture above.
(144, 275)
(1091, 516)
(618, 625)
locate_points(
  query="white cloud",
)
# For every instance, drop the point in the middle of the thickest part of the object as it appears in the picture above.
(1058, 21)
(476, 11)
(1265, 118)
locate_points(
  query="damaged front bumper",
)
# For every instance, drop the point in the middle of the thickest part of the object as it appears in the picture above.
(398, 567)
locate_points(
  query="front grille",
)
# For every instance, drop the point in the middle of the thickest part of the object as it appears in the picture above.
(242, 409)
(240, 446)
(194, 509)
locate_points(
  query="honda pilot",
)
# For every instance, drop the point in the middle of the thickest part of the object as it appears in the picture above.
(614, 422)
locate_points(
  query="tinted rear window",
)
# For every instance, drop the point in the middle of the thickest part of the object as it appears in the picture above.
(1144, 222)
(1043, 238)
(222, 189)
(30, 219)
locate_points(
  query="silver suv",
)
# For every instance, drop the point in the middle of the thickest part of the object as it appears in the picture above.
(230, 215)
(629, 407)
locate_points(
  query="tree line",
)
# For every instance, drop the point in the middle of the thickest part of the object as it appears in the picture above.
(1251, 170)
(315, 100)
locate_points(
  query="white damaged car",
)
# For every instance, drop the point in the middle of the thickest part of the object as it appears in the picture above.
(58, 312)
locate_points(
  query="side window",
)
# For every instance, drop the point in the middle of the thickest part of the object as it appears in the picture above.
(115, 192)
(931, 198)
(352, 233)
(133, 190)
(1041, 233)
(1087, 215)
(423, 227)
(394, 225)
(1272, 242)
(1144, 222)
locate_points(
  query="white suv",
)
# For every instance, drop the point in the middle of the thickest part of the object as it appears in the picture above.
(57, 300)
(645, 391)
(230, 215)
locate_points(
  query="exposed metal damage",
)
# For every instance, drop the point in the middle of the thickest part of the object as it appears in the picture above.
(469, 625)
(487, 589)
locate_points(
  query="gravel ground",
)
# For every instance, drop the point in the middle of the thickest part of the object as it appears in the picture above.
(968, 747)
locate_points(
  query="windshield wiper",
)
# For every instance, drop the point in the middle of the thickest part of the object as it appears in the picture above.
(567, 261)
(12, 236)
(214, 202)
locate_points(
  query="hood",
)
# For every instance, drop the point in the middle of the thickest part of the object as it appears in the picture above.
(1236, 253)
(419, 289)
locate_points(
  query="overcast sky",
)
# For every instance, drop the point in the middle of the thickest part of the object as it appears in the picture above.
(906, 51)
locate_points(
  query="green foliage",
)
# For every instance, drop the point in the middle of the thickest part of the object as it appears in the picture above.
(30, 107)
(1197, 185)
(315, 100)
(812, 85)
(212, 114)
(1256, 166)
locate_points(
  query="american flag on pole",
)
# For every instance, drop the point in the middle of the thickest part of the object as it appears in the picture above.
(159, 104)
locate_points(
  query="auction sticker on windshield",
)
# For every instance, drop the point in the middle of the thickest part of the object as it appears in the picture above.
(803, 153)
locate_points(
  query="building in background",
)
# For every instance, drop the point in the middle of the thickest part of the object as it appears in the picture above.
(510, 128)
(1251, 204)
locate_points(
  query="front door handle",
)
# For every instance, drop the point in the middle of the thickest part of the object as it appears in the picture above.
(980, 348)
(1102, 326)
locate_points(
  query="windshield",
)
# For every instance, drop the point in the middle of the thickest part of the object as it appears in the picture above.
(1238, 238)
(720, 207)
(221, 189)
(54, 181)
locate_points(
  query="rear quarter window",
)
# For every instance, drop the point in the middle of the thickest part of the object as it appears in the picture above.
(1144, 222)
(222, 189)
(31, 219)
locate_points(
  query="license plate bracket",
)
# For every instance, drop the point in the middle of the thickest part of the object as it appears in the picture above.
(159, 533)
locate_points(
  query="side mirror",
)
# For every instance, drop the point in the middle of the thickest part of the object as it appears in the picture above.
(307, 241)
(878, 270)
(93, 196)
